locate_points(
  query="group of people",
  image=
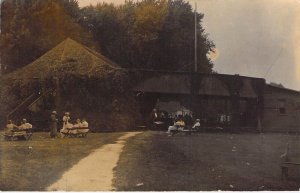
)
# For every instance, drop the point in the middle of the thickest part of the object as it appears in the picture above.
(81, 126)
(176, 123)
(11, 127)
(179, 125)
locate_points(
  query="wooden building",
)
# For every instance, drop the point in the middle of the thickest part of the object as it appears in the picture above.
(231, 101)
(281, 110)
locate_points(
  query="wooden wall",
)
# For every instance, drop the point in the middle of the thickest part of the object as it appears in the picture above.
(281, 111)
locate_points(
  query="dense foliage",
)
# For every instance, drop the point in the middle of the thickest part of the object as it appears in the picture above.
(152, 34)
(31, 29)
(149, 34)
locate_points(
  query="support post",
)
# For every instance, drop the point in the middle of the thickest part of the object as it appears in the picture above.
(57, 93)
(196, 65)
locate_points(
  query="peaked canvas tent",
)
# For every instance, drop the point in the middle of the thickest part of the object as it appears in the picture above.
(71, 77)
(68, 57)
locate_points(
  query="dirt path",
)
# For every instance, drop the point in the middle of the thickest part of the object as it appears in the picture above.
(94, 172)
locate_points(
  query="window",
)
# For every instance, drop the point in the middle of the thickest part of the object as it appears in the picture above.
(281, 106)
(297, 105)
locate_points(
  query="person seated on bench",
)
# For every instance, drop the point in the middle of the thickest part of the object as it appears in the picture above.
(10, 127)
(25, 125)
(178, 126)
(172, 128)
(84, 123)
(181, 124)
(84, 127)
(76, 126)
(197, 124)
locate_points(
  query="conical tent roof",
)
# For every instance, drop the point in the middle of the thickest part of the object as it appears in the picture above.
(68, 57)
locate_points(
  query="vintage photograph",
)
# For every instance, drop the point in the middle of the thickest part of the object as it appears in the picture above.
(150, 95)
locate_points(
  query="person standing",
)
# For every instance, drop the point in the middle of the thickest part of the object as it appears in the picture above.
(155, 115)
(66, 125)
(53, 126)
(66, 119)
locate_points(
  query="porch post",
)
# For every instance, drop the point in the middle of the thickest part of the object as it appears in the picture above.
(57, 93)
(235, 112)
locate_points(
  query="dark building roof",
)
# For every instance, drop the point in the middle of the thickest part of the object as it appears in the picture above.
(270, 88)
(205, 84)
(247, 90)
(166, 83)
(211, 85)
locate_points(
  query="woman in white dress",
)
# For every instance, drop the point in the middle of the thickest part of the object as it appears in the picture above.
(67, 126)
(84, 126)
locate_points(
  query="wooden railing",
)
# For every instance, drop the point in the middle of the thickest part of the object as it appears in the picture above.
(21, 105)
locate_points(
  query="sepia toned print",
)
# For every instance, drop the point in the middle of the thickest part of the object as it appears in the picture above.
(149, 95)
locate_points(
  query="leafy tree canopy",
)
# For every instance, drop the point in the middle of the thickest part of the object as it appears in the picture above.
(149, 34)
(29, 30)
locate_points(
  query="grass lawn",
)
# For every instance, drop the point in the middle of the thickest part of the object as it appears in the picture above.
(152, 161)
(33, 165)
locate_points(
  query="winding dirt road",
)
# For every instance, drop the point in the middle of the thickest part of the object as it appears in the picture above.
(94, 172)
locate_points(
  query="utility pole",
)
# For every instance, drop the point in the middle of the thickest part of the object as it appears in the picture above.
(195, 67)
(194, 99)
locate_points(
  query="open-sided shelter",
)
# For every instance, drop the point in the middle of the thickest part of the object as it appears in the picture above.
(231, 101)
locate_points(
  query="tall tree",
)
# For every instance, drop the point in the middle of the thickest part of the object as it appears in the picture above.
(32, 29)
(177, 37)
(153, 34)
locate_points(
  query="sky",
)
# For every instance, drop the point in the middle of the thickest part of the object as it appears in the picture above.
(257, 38)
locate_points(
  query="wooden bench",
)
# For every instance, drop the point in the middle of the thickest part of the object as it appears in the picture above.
(189, 131)
(77, 134)
(18, 135)
(185, 131)
(285, 166)
(82, 134)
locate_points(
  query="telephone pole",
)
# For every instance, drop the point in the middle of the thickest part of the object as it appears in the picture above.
(195, 67)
